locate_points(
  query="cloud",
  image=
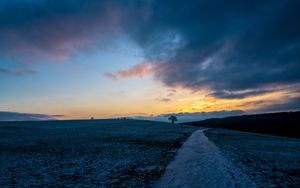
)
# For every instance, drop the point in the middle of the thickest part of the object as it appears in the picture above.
(54, 30)
(139, 70)
(232, 46)
(237, 47)
(196, 116)
(16, 116)
(164, 99)
(292, 104)
(225, 94)
(17, 72)
(228, 47)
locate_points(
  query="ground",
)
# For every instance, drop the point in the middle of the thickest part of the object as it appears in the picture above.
(129, 153)
(269, 161)
(92, 153)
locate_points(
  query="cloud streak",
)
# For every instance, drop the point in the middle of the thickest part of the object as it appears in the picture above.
(139, 70)
(17, 72)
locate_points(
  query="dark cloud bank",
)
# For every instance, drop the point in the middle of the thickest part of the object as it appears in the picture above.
(227, 46)
(16, 116)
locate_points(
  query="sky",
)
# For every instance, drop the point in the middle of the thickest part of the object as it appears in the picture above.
(76, 59)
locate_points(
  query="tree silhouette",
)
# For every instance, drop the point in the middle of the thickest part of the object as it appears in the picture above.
(173, 118)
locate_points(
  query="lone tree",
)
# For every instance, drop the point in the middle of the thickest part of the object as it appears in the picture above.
(173, 119)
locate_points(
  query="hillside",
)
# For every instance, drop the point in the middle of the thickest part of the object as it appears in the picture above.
(280, 124)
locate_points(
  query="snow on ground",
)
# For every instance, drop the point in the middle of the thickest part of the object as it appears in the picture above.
(198, 164)
(91, 153)
(269, 161)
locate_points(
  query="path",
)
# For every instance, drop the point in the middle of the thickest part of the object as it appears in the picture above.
(199, 164)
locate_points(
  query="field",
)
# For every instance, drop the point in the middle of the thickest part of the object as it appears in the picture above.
(269, 161)
(87, 153)
(131, 153)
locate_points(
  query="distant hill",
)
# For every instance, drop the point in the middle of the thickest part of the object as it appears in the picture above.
(280, 124)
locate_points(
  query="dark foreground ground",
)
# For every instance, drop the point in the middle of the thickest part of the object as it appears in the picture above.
(98, 153)
(269, 161)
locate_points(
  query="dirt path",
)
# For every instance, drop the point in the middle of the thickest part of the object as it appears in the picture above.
(199, 164)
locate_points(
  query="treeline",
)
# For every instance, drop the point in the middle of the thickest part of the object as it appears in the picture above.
(280, 124)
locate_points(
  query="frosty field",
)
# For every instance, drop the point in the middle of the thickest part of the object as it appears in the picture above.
(269, 161)
(131, 153)
(86, 153)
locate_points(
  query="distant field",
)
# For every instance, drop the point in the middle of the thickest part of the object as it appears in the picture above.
(90, 153)
(281, 124)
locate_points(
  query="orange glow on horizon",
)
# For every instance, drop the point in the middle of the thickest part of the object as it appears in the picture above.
(181, 101)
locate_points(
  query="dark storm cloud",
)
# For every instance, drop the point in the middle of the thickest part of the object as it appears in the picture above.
(16, 116)
(229, 46)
